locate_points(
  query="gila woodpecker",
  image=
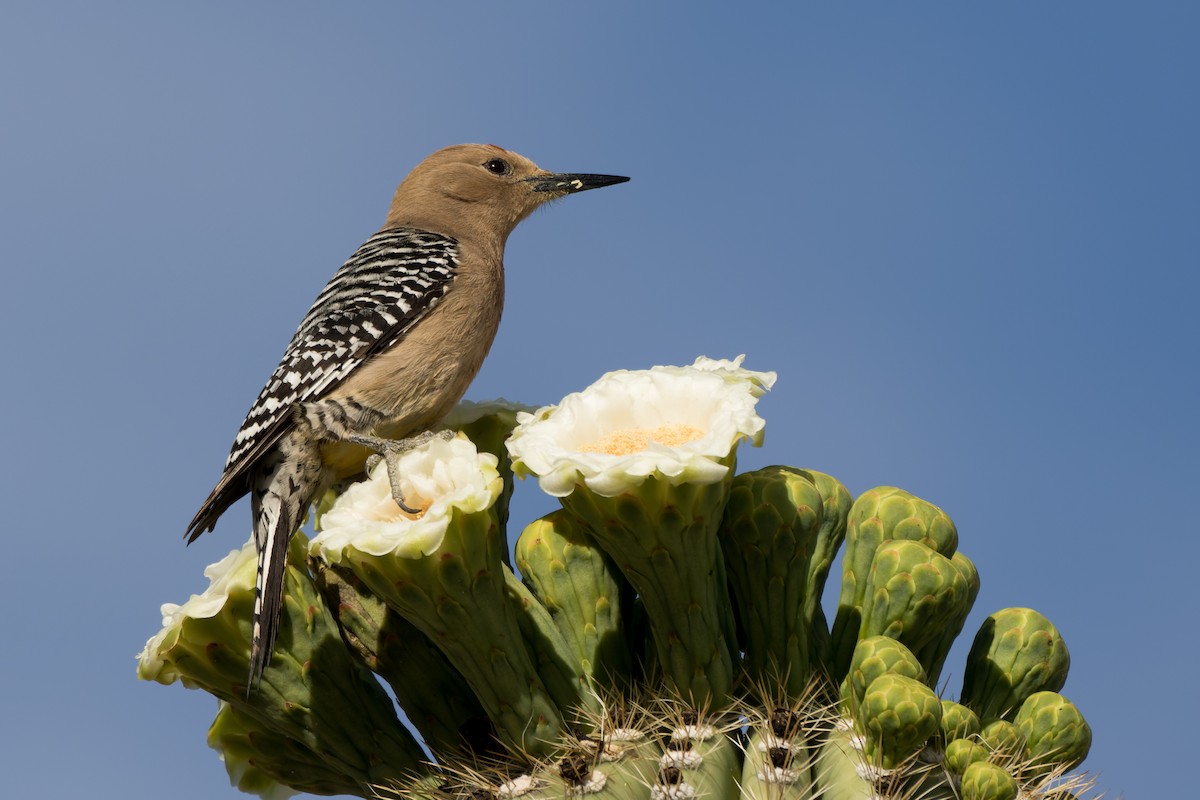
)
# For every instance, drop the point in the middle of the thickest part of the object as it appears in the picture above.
(387, 349)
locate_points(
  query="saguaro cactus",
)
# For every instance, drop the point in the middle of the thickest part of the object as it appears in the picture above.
(664, 639)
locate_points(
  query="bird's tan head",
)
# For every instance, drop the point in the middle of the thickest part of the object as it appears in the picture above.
(481, 189)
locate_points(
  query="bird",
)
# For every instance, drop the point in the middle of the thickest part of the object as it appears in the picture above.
(387, 349)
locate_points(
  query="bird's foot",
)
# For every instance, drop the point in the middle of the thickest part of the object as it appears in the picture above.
(389, 451)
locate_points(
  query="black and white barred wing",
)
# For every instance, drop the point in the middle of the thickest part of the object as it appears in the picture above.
(385, 288)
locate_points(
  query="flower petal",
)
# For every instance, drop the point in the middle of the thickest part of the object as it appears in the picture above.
(587, 438)
(235, 571)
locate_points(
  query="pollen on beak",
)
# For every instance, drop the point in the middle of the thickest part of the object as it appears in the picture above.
(571, 182)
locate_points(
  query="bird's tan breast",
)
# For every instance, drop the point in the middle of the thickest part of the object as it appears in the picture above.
(418, 380)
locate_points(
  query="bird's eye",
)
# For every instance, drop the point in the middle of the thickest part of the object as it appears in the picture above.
(497, 166)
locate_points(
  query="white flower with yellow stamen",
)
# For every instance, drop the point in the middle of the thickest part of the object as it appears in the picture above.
(677, 423)
(644, 461)
(435, 478)
(234, 572)
(442, 570)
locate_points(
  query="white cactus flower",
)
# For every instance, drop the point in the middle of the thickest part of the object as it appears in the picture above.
(435, 478)
(468, 411)
(234, 571)
(676, 423)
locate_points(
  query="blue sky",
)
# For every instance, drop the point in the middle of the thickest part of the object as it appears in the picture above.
(965, 237)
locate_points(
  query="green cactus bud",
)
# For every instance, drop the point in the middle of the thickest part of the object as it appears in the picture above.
(984, 781)
(1016, 653)
(915, 595)
(897, 716)
(1002, 739)
(874, 657)
(1056, 735)
(768, 536)
(581, 589)
(261, 761)
(558, 666)
(962, 753)
(933, 654)
(958, 721)
(835, 504)
(878, 516)
(435, 697)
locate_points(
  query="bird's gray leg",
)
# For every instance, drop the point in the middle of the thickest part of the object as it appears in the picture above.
(390, 451)
(345, 419)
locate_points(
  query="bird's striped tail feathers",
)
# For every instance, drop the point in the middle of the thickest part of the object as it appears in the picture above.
(226, 494)
(276, 517)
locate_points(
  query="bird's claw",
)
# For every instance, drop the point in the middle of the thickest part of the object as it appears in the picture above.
(390, 450)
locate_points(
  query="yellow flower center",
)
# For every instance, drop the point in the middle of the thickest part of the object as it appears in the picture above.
(394, 513)
(634, 440)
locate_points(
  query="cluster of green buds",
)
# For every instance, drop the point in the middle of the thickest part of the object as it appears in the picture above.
(660, 636)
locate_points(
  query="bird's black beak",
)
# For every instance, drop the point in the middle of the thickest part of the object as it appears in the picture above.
(571, 182)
